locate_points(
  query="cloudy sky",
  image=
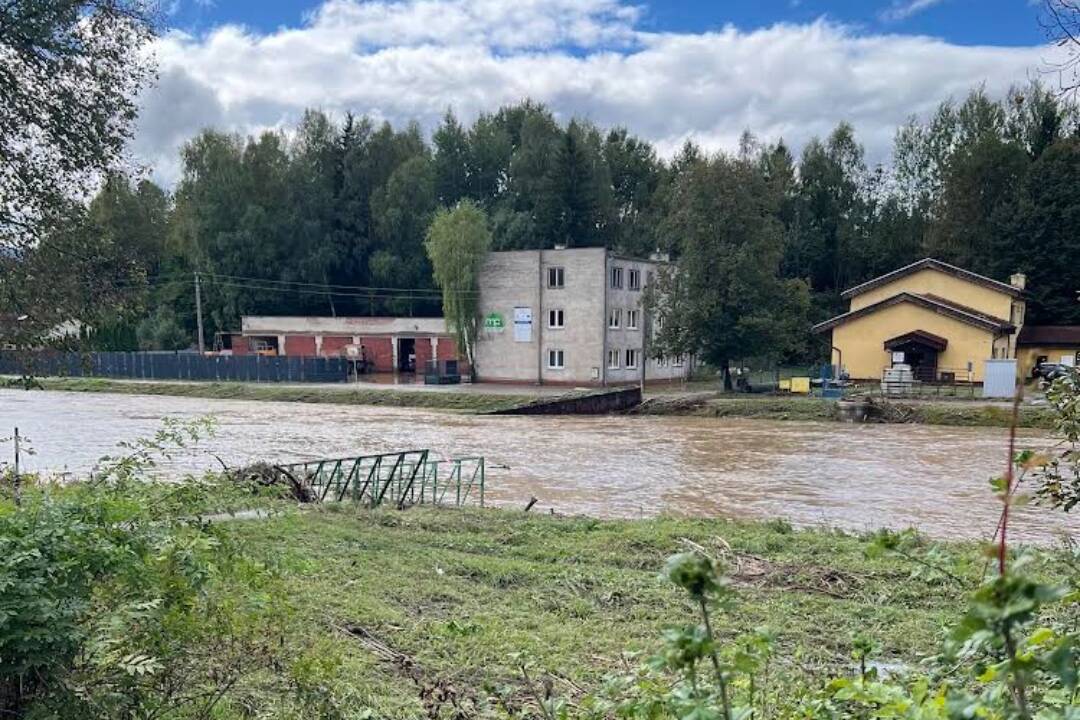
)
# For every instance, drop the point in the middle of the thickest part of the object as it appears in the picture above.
(667, 69)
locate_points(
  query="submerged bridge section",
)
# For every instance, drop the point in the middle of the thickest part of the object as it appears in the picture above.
(412, 477)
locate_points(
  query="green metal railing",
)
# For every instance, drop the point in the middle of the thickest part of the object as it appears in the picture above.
(402, 478)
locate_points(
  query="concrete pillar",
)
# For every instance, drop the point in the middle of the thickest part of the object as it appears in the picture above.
(394, 351)
(281, 344)
(318, 345)
(435, 349)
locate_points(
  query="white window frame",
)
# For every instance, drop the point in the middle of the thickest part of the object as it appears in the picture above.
(616, 277)
(613, 356)
(631, 319)
(558, 274)
(614, 318)
(556, 355)
(678, 361)
(633, 279)
(632, 358)
(556, 314)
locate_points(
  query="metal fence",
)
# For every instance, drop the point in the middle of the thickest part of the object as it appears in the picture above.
(401, 478)
(176, 366)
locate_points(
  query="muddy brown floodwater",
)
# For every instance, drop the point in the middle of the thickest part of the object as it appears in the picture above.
(851, 476)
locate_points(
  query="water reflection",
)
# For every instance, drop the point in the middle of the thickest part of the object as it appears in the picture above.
(853, 476)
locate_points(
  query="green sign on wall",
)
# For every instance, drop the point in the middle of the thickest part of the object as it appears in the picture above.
(494, 323)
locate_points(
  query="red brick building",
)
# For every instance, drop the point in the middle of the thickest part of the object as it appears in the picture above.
(389, 344)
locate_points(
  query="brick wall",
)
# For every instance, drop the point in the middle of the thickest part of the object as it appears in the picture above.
(332, 345)
(302, 345)
(240, 345)
(380, 351)
(423, 353)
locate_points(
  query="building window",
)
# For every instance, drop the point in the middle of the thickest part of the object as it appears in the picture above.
(633, 279)
(661, 362)
(631, 319)
(616, 278)
(614, 318)
(556, 320)
(677, 361)
(556, 277)
(613, 359)
(659, 322)
(631, 359)
(556, 360)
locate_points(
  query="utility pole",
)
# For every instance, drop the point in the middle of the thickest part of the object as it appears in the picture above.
(198, 314)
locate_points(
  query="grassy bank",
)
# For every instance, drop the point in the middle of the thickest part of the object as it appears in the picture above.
(955, 413)
(344, 395)
(453, 597)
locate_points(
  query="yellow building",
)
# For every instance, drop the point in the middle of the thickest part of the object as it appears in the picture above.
(943, 321)
(1047, 343)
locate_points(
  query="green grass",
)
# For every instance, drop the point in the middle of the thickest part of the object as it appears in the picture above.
(345, 395)
(946, 412)
(455, 594)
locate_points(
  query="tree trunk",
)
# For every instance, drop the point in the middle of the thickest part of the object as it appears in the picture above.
(727, 376)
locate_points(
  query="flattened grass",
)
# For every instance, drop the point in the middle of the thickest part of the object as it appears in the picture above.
(460, 592)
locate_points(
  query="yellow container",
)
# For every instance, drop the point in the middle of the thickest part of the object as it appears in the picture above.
(785, 384)
(800, 385)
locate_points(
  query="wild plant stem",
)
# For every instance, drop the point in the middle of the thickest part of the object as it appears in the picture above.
(1010, 462)
(1018, 688)
(715, 658)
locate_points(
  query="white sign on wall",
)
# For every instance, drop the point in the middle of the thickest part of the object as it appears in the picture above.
(522, 324)
(897, 357)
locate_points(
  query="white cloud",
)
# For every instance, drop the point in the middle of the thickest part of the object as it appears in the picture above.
(412, 60)
(903, 9)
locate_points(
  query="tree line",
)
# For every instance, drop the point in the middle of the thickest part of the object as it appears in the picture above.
(330, 217)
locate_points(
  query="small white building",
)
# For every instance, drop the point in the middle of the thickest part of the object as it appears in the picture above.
(568, 316)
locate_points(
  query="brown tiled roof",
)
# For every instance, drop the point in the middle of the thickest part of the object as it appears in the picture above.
(1049, 335)
(932, 264)
(930, 302)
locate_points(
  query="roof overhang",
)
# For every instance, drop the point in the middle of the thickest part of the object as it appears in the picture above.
(933, 304)
(1049, 336)
(938, 265)
(918, 337)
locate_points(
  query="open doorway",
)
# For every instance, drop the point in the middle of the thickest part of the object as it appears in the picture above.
(406, 355)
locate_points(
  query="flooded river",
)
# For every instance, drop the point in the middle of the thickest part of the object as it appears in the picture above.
(851, 476)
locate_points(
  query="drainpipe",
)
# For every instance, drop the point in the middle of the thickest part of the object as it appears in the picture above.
(537, 317)
(604, 322)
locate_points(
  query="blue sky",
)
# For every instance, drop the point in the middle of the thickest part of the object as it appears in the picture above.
(668, 70)
(964, 22)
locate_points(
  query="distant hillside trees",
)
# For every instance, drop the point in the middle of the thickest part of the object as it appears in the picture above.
(332, 217)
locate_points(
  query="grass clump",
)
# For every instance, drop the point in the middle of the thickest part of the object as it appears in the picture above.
(465, 401)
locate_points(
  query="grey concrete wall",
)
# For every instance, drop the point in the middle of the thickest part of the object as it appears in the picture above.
(599, 403)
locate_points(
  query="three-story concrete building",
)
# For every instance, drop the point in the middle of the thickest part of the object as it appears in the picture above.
(568, 316)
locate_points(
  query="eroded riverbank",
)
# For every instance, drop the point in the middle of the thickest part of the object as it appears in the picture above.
(812, 473)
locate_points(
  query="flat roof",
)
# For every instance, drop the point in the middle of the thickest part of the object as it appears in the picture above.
(316, 325)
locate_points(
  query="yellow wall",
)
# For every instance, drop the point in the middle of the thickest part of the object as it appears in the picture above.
(862, 341)
(953, 289)
(1026, 356)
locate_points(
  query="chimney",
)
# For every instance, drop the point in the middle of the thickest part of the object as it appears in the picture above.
(661, 257)
(1018, 281)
